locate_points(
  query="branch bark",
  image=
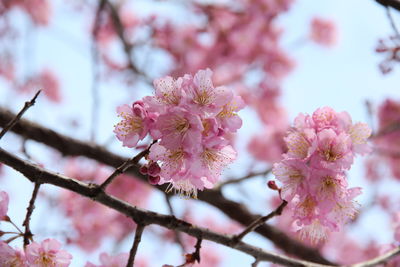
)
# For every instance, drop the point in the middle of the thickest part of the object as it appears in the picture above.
(390, 3)
(39, 175)
(236, 211)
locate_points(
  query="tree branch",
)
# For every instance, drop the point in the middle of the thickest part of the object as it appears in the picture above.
(27, 105)
(390, 3)
(138, 238)
(39, 175)
(72, 147)
(28, 234)
(260, 221)
(378, 260)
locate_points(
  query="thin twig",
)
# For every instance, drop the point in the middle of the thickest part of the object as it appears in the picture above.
(178, 238)
(138, 238)
(246, 177)
(391, 20)
(255, 263)
(28, 234)
(27, 105)
(378, 260)
(125, 166)
(261, 221)
(95, 63)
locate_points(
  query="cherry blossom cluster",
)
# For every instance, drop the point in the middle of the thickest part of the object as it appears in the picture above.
(46, 253)
(321, 148)
(191, 119)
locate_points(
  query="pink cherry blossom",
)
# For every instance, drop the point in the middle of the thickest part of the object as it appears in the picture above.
(106, 260)
(4, 199)
(10, 257)
(321, 148)
(323, 32)
(47, 253)
(135, 124)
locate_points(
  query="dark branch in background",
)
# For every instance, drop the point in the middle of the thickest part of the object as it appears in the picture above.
(27, 105)
(128, 48)
(28, 234)
(95, 70)
(260, 221)
(39, 175)
(390, 3)
(244, 178)
(138, 238)
(178, 238)
(236, 211)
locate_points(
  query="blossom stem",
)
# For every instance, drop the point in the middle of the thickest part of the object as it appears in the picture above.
(261, 221)
(124, 167)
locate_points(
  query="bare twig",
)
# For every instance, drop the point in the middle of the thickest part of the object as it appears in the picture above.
(379, 260)
(40, 175)
(128, 47)
(125, 166)
(28, 234)
(391, 20)
(255, 263)
(138, 238)
(244, 178)
(178, 238)
(27, 105)
(95, 63)
(236, 211)
(262, 220)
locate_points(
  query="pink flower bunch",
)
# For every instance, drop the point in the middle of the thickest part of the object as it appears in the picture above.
(323, 32)
(396, 222)
(3, 204)
(191, 119)
(46, 254)
(321, 148)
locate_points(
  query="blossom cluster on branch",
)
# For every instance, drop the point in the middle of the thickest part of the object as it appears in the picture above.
(191, 119)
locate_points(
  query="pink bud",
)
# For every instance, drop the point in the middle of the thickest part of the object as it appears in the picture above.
(154, 169)
(272, 185)
(143, 170)
(153, 179)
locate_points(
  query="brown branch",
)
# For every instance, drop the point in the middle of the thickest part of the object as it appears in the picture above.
(42, 176)
(28, 234)
(260, 221)
(392, 23)
(138, 238)
(27, 105)
(390, 3)
(378, 260)
(236, 211)
(125, 166)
